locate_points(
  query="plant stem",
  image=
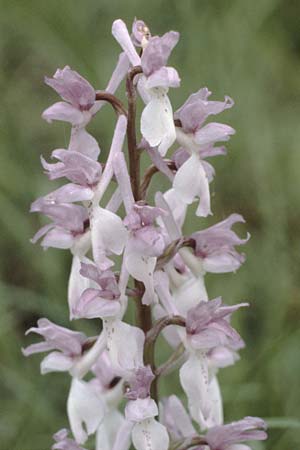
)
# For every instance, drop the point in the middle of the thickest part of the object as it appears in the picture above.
(114, 101)
(133, 151)
(159, 325)
(143, 312)
(152, 170)
(172, 362)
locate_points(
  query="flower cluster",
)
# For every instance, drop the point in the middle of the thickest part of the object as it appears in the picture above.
(162, 270)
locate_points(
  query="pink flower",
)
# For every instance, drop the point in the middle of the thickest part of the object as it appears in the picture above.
(68, 346)
(225, 437)
(69, 224)
(216, 246)
(193, 177)
(77, 109)
(100, 301)
(207, 325)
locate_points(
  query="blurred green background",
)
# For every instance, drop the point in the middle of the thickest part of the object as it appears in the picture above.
(248, 50)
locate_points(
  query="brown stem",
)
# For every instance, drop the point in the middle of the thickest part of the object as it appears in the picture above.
(172, 362)
(143, 312)
(152, 170)
(149, 347)
(159, 325)
(114, 101)
(172, 249)
(134, 153)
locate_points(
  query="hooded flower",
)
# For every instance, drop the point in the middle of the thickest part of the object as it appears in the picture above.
(141, 410)
(83, 172)
(68, 346)
(145, 236)
(100, 301)
(145, 240)
(70, 223)
(216, 246)
(145, 244)
(140, 383)
(192, 178)
(78, 168)
(225, 437)
(77, 109)
(157, 124)
(207, 326)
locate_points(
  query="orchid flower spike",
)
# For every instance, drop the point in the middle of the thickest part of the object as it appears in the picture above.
(130, 254)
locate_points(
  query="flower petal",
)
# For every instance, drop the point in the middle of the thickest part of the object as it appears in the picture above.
(194, 381)
(83, 142)
(120, 33)
(174, 416)
(157, 51)
(77, 284)
(72, 87)
(164, 77)
(150, 434)
(65, 112)
(92, 306)
(191, 181)
(142, 269)
(213, 132)
(108, 429)
(56, 362)
(125, 344)
(108, 234)
(85, 406)
(157, 125)
(141, 409)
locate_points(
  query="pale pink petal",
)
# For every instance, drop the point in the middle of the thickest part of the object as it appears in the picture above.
(120, 33)
(108, 234)
(157, 125)
(65, 112)
(150, 434)
(194, 381)
(56, 362)
(121, 173)
(164, 77)
(213, 132)
(140, 409)
(83, 142)
(72, 87)
(85, 407)
(174, 416)
(58, 238)
(142, 268)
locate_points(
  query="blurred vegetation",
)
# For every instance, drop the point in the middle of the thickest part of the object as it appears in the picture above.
(248, 50)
